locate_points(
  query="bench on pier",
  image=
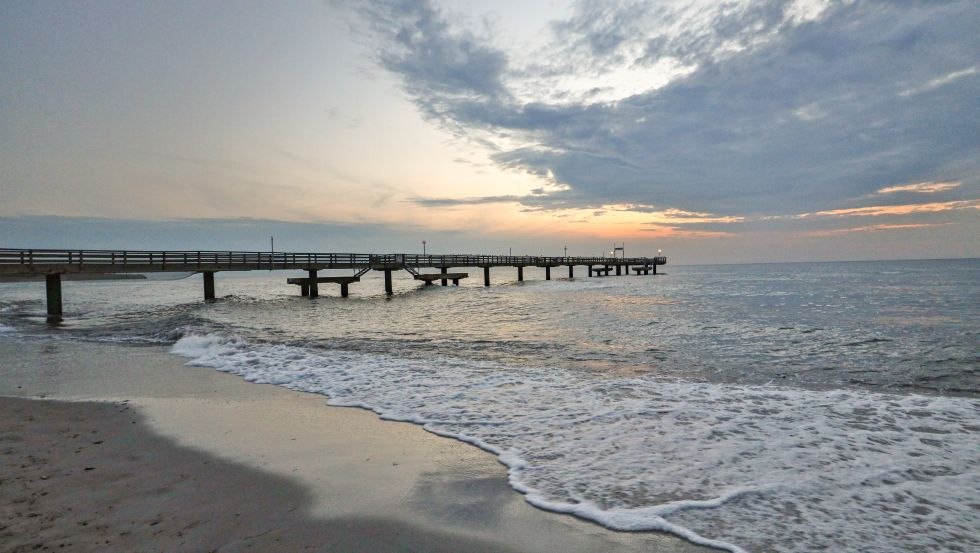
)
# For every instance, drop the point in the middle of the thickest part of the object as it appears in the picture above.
(429, 277)
(343, 281)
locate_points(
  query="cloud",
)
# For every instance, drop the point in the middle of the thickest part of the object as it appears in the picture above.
(874, 228)
(920, 187)
(906, 209)
(668, 231)
(778, 106)
(942, 80)
(455, 202)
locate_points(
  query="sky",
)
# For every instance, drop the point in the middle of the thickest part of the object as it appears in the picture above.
(717, 132)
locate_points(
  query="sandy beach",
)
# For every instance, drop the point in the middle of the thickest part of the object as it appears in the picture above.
(113, 448)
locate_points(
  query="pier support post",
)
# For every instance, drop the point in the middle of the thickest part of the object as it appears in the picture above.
(654, 268)
(520, 274)
(547, 273)
(455, 282)
(444, 270)
(208, 285)
(388, 289)
(619, 269)
(343, 289)
(53, 289)
(304, 290)
(590, 271)
(571, 271)
(314, 287)
(627, 270)
(486, 276)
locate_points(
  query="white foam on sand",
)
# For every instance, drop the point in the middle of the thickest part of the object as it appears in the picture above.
(740, 468)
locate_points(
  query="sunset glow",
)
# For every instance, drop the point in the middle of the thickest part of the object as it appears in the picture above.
(531, 124)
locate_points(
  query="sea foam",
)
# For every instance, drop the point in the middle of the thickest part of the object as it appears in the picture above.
(740, 468)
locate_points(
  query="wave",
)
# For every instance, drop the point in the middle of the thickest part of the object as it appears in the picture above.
(741, 468)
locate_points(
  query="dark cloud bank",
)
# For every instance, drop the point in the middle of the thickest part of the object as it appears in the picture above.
(807, 116)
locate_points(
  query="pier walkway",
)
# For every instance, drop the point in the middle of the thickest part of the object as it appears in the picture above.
(53, 263)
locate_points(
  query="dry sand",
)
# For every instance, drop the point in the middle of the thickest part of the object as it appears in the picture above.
(113, 448)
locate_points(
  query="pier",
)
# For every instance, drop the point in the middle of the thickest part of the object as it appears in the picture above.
(52, 264)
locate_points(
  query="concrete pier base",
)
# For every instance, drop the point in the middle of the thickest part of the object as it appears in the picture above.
(208, 285)
(486, 276)
(520, 274)
(53, 288)
(343, 281)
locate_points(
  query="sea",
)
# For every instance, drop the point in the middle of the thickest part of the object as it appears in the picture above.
(790, 407)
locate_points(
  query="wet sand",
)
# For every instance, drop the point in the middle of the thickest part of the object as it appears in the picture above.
(124, 448)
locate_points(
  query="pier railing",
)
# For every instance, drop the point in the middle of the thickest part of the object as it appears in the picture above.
(40, 261)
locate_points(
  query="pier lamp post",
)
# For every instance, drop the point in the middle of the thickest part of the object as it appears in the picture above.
(423, 247)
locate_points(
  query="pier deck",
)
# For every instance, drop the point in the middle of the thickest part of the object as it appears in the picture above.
(54, 263)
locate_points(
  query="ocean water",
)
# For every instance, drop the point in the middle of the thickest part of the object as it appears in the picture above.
(779, 407)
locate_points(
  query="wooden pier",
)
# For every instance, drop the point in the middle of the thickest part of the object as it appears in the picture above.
(54, 263)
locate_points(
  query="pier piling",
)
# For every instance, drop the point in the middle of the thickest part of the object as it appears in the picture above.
(547, 273)
(314, 287)
(444, 270)
(53, 289)
(388, 288)
(208, 285)
(486, 275)
(520, 274)
(571, 271)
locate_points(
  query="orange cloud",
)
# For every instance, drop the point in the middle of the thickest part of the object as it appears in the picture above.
(677, 232)
(906, 209)
(921, 187)
(681, 217)
(874, 228)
